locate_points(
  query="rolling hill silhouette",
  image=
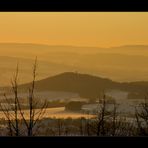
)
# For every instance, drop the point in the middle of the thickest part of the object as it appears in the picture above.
(85, 85)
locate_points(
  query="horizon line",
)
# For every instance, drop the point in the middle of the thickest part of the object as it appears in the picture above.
(82, 46)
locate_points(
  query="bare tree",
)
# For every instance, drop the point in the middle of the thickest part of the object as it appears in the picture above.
(34, 116)
(141, 114)
(101, 117)
(98, 125)
(60, 125)
(15, 91)
(87, 125)
(81, 127)
(114, 120)
(106, 122)
(10, 111)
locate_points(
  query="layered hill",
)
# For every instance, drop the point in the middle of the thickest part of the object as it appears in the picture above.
(85, 85)
(124, 63)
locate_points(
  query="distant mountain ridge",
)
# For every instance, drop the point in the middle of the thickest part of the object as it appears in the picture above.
(47, 46)
(121, 63)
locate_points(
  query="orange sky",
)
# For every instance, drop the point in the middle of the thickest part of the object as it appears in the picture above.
(100, 29)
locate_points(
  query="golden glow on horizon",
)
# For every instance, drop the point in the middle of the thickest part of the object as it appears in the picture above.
(100, 29)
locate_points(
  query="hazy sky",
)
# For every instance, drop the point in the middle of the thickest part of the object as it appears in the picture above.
(101, 29)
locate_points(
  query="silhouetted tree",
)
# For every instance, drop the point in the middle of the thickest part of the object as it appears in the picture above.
(141, 114)
(34, 116)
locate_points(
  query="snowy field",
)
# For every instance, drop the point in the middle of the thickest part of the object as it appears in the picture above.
(51, 96)
(125, 106)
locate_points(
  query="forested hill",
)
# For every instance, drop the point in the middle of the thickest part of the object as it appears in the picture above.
(84, 84)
